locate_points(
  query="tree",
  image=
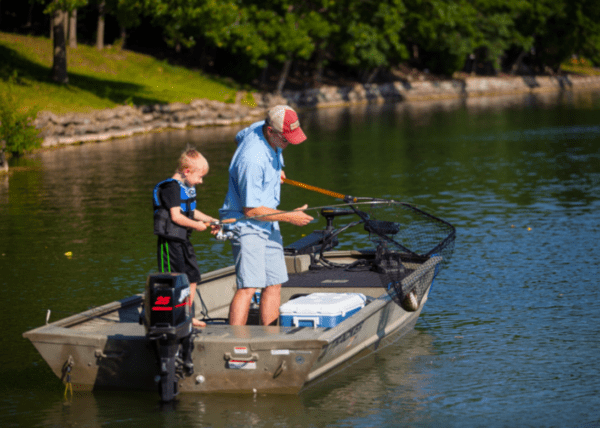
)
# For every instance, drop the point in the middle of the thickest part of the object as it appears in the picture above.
(496, 31)
(16, 126)
(562, 28)
(128, 14)
(262, 32)
(73, 29)
(443, 33)
(59, 12)
(59, 64)
(366, 36)
(100, 25)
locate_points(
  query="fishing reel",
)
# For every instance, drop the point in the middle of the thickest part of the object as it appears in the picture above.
(168, 320)
(223, 236)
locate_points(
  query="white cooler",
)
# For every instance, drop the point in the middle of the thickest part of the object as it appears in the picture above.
(320, 309)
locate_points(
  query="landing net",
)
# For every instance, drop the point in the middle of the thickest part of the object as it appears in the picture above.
(403, 228)
(403, 232)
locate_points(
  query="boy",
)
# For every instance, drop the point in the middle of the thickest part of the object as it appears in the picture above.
(175, 216)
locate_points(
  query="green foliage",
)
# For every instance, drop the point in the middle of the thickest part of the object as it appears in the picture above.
(16, 126)
(66, 5)
(100, 79)
(368, 35)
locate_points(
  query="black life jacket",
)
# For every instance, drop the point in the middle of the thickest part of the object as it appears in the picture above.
(163, 225)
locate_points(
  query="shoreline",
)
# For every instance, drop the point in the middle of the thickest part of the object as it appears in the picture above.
(126, 121)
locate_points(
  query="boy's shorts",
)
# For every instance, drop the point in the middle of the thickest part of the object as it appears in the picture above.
(175, 256)
(258, 257)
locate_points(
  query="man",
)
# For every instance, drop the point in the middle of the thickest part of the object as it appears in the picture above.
(255, 177)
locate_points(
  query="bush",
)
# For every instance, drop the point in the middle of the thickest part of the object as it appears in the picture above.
(16, 127)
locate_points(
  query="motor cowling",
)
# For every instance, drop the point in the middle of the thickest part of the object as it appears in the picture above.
(168, 320)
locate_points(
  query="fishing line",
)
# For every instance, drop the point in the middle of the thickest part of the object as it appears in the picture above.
(370, 202)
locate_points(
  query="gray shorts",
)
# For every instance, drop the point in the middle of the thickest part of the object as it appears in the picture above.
(258, 257)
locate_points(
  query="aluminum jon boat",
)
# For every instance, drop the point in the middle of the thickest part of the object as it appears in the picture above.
(336, 307)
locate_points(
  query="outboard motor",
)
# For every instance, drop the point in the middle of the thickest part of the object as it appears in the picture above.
(168, 321)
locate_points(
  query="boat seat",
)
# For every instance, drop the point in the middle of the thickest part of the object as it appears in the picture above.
(297, 264)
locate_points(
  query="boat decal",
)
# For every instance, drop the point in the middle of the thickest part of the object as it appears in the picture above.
(241, 365)
(162, 303)
(162, 300)
(334, 281)
(280, 352)
(340, 339)
(240, 350)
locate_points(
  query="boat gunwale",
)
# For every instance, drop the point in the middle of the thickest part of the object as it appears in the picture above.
(93, 313)
(137, 299)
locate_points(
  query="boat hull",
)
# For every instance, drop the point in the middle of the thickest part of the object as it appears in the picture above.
(107, 347)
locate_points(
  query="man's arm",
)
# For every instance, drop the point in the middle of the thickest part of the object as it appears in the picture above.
(297, 217)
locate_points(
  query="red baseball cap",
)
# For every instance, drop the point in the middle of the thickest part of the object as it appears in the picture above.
(284, 119)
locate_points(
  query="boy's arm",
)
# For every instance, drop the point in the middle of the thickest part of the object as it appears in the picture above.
(182, 220)
(200, 216)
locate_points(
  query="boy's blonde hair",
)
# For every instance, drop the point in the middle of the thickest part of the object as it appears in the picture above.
(192, 158)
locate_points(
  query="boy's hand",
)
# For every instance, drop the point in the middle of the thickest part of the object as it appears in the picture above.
(200, 226)
(214, 229)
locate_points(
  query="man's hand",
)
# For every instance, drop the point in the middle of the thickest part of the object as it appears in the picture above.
(299, 217)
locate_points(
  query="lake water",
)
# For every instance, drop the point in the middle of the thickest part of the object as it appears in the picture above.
(509, 335)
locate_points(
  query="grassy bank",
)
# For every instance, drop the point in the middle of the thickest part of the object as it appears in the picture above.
(105, 79)
(99, 79)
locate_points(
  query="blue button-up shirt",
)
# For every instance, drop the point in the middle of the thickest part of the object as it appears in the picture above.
(254, 178)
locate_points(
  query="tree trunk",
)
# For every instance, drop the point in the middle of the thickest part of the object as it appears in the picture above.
(319, 62)
(283, 76)
(263, 76)
(123, 36)
(73, 29)
(100, 29)
(66, 26)
(371, 76)
(516, 67)
(29, 15)
(59, 65)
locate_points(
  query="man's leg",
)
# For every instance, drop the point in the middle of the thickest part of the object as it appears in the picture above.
(270, 300)
(240, 306)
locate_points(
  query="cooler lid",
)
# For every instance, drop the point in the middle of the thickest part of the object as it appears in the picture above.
(323, 304)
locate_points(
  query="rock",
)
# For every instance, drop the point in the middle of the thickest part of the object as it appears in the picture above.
(128, 120)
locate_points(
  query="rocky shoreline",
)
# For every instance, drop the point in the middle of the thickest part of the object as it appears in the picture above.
(125, 121)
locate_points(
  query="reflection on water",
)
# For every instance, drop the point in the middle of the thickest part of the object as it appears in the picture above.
(509, 332)
(396, 377)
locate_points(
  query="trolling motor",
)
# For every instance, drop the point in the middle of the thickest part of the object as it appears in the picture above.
(168, 321)
(319, 240)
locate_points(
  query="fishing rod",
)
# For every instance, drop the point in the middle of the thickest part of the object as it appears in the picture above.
(336, 195)
(349, 201)
(221, 236)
